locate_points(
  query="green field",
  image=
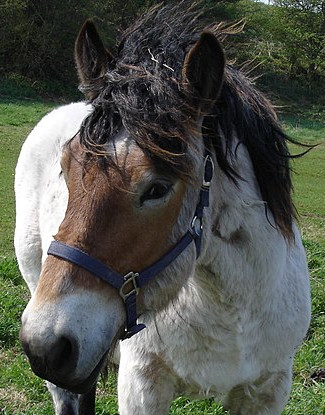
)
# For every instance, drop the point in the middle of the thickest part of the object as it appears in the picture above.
(22, 393)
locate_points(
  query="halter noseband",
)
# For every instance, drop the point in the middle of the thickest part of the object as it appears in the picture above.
(128, 285)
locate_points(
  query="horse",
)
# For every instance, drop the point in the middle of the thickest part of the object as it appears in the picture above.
(175, 239)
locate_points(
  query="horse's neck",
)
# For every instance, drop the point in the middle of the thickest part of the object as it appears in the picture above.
(243, 246)
(235, 205)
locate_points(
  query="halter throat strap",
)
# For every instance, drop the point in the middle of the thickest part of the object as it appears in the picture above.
(128, 285)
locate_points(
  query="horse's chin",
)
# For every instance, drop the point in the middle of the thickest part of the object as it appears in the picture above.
(76, 386)
(86, 385)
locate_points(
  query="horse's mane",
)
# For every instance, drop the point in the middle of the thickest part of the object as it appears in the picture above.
(143, 92)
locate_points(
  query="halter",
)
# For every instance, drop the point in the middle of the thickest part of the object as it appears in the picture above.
(128, 285)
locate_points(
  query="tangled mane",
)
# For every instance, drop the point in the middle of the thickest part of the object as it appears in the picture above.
(142, 91)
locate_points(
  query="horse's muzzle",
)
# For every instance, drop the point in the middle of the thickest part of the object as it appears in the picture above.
(57, 361)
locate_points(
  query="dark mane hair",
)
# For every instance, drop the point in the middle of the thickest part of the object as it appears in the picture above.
(142, 92)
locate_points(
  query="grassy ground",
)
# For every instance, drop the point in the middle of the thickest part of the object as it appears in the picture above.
(22, 393)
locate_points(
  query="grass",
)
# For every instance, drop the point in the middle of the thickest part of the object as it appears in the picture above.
(17, 119)
(22, 393)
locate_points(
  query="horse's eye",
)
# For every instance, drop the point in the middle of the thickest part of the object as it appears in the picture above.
(157, 191)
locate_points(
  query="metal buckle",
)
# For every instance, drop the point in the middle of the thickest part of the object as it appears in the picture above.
(207, 183)
(197, 226)
(129, 278)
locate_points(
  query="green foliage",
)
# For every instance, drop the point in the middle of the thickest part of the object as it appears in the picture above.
(37, 37)
(302, 34)
(281, 45)
(282, 42)
(17, 86)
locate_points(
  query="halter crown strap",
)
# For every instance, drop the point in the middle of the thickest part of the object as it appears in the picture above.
(129, 284)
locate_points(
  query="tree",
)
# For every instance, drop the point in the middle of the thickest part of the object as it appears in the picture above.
(302, 34)
(37, 37)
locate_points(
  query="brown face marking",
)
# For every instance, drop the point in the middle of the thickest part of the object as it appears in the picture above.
(104, 218)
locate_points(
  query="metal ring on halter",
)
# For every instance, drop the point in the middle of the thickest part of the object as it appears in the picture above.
(129, 278)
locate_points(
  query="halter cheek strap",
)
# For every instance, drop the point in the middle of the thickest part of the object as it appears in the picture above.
(128, 285)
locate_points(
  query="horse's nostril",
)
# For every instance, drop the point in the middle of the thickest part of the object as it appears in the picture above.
(63, 354)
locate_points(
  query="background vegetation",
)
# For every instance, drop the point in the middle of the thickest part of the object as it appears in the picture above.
(283, 41)
(283, 45)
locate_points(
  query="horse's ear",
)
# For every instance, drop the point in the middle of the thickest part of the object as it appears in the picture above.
(92, 59)
(203, 69)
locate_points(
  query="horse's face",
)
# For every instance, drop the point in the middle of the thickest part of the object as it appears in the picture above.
(127, 221)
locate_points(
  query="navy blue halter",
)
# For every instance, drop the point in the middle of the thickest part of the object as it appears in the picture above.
(128, 285)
